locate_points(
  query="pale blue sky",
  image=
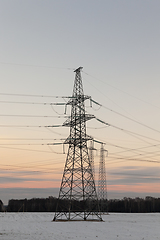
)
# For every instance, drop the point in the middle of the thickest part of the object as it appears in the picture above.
(116, 42)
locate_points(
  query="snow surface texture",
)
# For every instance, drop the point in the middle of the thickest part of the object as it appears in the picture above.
(116, 226)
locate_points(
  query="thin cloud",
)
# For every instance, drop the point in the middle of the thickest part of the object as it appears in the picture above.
(133, 175)
(23, 179)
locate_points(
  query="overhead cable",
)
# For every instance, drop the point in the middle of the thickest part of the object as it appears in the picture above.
(36, 66)
(34, 103)
(14, 115)
(99, 80)
(127, 131)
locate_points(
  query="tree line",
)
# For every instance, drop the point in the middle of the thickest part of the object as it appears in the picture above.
(125, 205)
(1, 206)
(133, 205)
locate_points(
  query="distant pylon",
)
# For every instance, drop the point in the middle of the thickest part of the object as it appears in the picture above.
(91, 156)
(77, 196)
(102, 183)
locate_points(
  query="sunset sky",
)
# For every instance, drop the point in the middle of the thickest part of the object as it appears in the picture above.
(117, 44)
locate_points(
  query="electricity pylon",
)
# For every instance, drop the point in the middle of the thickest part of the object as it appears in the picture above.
(77, 196)
(102, 184)
(91, 156)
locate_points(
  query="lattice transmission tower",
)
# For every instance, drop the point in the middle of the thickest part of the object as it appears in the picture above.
(102, 183)
(78, 199)
(91, 156)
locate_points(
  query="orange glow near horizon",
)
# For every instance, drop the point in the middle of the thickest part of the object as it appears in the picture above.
(43, 170)
(138, 188)
(28, 184)
(135, 188)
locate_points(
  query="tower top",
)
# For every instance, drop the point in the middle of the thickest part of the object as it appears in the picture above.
(78, 69)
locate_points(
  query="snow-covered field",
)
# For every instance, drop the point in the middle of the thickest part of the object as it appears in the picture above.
(116, 226)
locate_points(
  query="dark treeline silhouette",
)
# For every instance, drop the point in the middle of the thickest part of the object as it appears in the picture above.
(32, 205)
(130, 205)
(1, 206)
(47, 205)
(126, 205)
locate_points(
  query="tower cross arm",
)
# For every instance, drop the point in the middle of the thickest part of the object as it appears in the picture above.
(76, 141)
(78, 119)
(76, 99)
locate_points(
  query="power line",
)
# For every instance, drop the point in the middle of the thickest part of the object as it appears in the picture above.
(30, 126)
(134, 159)
(18, 115)
(106, 97)
(130, 132)
(141, 155)
(32, 139)
(33, 103)
(33, 95)
(56, 111)
(122, 115)
(24, 167)
(99, 80)
(127, 131)
(36, 66)
(25, 149)
(133, 120)
(136, 149)
(31, 172)
(24, 144)
(34, 162)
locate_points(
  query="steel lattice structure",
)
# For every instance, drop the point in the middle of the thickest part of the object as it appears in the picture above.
(102, 184)
(77, 196)
(91, 156)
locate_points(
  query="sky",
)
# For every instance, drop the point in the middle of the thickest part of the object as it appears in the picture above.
(117, 44)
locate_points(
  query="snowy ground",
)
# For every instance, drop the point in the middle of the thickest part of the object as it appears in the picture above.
(116, 226)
